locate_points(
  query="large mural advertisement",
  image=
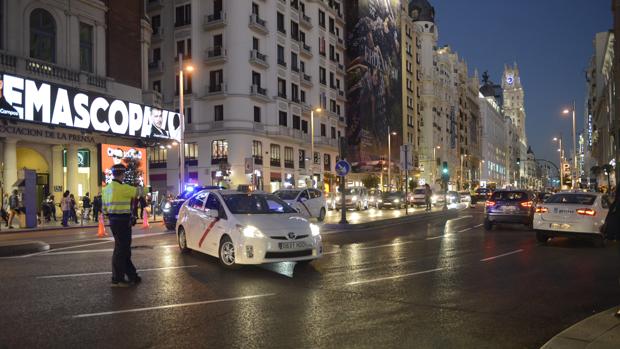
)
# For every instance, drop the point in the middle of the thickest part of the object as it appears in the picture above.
(373, 79)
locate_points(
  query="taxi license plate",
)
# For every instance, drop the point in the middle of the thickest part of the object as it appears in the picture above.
(559, 226)
(291, 245)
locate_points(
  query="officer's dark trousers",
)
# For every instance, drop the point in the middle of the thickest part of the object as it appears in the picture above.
(121, 258)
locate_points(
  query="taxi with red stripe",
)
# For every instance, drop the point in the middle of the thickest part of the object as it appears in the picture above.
(571, 214)
(246, 228)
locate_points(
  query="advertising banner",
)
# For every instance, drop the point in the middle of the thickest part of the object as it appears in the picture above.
(134, 158)
(46, 103)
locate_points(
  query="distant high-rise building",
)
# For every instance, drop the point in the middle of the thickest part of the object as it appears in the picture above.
(514, 99)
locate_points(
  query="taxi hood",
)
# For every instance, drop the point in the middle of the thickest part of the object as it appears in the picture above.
(274, 223)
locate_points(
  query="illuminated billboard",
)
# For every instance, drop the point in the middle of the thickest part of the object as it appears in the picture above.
(112, 154)
(374, 86)
(55, 105)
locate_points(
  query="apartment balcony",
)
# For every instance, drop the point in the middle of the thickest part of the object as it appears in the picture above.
(341, 68)
(217, 89)
(258, 58)
(306, 80)
(295, 68)
(305, 21)
(153, 98)
(215, 55)
(158, 34)
(341, 95)
(214, 21)
(326, 141)
(258, 160)
(275, 162)
(156, 67)
(289, 164)
(222, 160)
(341, 43)
(259, 93)
(258, 24)
(306, 50)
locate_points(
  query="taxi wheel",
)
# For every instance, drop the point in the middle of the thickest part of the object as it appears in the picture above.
(321, 214)
(182, 239)
(227, 253)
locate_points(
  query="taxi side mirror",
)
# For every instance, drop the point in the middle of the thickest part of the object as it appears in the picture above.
(213, 213)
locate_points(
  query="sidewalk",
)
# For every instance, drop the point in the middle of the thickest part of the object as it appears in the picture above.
(57, 225)
(598, 331)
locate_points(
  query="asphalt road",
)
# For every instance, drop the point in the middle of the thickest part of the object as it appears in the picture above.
(432, 284)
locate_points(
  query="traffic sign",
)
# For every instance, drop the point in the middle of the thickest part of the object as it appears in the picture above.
(343, 168)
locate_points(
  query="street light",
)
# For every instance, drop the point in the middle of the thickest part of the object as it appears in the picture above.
(574, 171)
(318, 110)
(390, 134)
(189, 68)
(559, 140)
(435, 163)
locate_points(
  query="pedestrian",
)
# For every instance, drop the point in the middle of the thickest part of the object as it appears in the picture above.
(65, 206)
(4, 211)
(86, 206)
(73, 208)
(428, 193)
(118, 199)
(142, 203)
(611, 227)
(52, 204)
(13, 208)
(96, 206)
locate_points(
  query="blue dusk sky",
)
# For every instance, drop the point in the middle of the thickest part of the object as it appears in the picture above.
(551, 41)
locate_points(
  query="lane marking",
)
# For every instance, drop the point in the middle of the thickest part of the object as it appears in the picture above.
(387, 245)
(332, 252)
(478, 226)
(78, 252)
(501, 255)
(109, 272)
(171, 306)
(393, 277)
(458, 219)
(464, 230)
(435, 237)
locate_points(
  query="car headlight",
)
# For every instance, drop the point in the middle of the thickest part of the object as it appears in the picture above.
(371, 199)
(167, 207)
(396, 200)
(316, 231)
(380, 200)
(354, 198)
(251, 231)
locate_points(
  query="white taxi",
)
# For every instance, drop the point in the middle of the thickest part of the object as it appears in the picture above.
(246, 228)
(571, 214)
(310, 203)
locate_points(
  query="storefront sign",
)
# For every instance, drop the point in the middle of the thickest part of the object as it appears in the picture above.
(33, 132)
(117, 154)
(50, 104)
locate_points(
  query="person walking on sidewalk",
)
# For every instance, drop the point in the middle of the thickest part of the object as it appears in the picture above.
(428, 193)
(96, 207)
(13, 208)
(73, 209)
(86, 206)
(118, 199)
(65, 207)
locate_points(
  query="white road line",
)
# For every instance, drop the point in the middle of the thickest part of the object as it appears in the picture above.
(386, 245)
(78, 252)
(478, 226)
(501, 255)
(393, 277)
(108, 272)
(435, 237)
(464, 230)
(332, 252)
(137, 310)
(458, 219)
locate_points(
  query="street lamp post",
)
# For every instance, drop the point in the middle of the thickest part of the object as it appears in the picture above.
(561, 151)
(390, 134)
(318, 110)
(574, 171)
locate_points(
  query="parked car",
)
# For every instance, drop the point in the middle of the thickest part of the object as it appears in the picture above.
(355, 197)
(309, 202)
(374, 195)
(572, 214)
(246, 228)
(395, 199)
(510, 206)
(171, 208)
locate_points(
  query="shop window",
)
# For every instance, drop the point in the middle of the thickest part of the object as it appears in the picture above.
(42, 36)
(219, 151)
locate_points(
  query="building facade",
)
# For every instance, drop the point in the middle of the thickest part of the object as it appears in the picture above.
(494, 152)
(54, 52)
(267, 77)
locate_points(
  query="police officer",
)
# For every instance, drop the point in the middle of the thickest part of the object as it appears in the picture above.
(117, 204)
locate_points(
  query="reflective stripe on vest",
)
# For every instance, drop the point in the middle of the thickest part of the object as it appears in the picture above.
(117, 197)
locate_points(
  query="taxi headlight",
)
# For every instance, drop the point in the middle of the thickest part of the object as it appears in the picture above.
(251, 231)
(380, 200)
(354, 198)
(316, 231)
(397, 200)
(167, 207)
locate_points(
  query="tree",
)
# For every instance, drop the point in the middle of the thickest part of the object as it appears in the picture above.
(413, 183)
(370, 181)
(608, 169)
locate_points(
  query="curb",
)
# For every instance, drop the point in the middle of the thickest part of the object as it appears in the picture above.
(343, 228)
(47, 228)
(10, 249)
(601, 330)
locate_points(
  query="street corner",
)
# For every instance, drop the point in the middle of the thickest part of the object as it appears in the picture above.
(20, 248)
(601, 331)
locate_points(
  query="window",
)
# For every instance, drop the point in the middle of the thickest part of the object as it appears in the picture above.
(327, 162)
(295, 93)
(183, 15)
(157, 85)
(255, 44)
(158, 157)
(219, 151)
(86, 47)
(257, 152)
(188, 115)
(185, 48)
(281, 88)
(280, 22)
(216, 80)
(304, 126)
(281, 60)
(42, 36)
(198, 201)
(191, 151)
(322, 46)
(275, 155)
(302, 96)
(288, 157)
(333, 132)
(156, 55)
(294, 62)
(283, 116)
(332, 26)
(296, 122)
(294, 31)
(156, 24)
(322, 75)
(213, 203)
(187, 84)
(218, 112)
(322, 18)
(256, 114)
(323, 130)
(302, 158)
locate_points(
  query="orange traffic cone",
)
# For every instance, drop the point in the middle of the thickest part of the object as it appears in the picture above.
(101, 229)
(145, 219)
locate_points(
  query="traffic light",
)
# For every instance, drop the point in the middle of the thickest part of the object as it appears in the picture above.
(444, 168)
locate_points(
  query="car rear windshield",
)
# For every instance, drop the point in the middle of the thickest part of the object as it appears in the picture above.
(578, 199)
(256, 204)
(287, 194)
(509, 195)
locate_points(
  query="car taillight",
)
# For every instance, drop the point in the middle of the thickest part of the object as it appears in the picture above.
(586, 212)
(527, 204)
(541, 209)
(489, 203)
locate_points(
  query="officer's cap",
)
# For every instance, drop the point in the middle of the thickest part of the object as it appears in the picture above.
(118, 170)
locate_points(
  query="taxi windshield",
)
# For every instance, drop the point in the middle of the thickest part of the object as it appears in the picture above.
(287, 194)
(256, 204)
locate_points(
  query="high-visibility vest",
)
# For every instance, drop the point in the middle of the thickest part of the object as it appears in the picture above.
(117, 198)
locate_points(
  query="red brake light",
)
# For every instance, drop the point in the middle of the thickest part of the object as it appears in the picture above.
(489, 203)
(586, 212)
(540, 209)
(527, 204)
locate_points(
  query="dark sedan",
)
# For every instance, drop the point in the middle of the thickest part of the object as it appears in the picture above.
(171, 208)
(394, 199)
(510, 206)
